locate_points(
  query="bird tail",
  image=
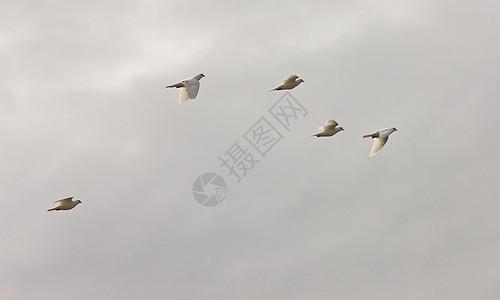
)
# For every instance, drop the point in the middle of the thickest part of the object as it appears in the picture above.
(177, 85)
(51, 209)
(370, 135)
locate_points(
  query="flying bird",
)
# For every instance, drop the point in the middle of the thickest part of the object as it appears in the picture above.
(329, 129)
(65, 204)
(189, 88)
(379, 139)
(289, 83)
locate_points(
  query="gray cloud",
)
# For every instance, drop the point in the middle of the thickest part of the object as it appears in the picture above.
(84, 113)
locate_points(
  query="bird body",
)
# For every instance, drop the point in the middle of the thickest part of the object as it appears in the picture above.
(379, 139)
(329, 129)
(65, 204)
(289, 83)
(189, 88)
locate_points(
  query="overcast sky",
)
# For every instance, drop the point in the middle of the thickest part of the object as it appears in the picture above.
(84, 112)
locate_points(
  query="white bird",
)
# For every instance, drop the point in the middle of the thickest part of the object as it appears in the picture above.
(379, 139)
(329, 129)
(289, 83)
(65, 204)
(189, 88)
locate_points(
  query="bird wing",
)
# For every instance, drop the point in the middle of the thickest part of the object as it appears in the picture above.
(192, 88)
(183, 96)
(290, 79)
(69, 199)
(331, 122)
(378, 143)
(189, 91)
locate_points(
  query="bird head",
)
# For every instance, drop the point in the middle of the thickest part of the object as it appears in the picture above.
(341, 128)
(78, 201)
(394, 129)
(199, 76)
(300, 80)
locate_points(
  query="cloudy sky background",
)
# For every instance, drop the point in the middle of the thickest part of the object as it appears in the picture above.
(84, 113)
